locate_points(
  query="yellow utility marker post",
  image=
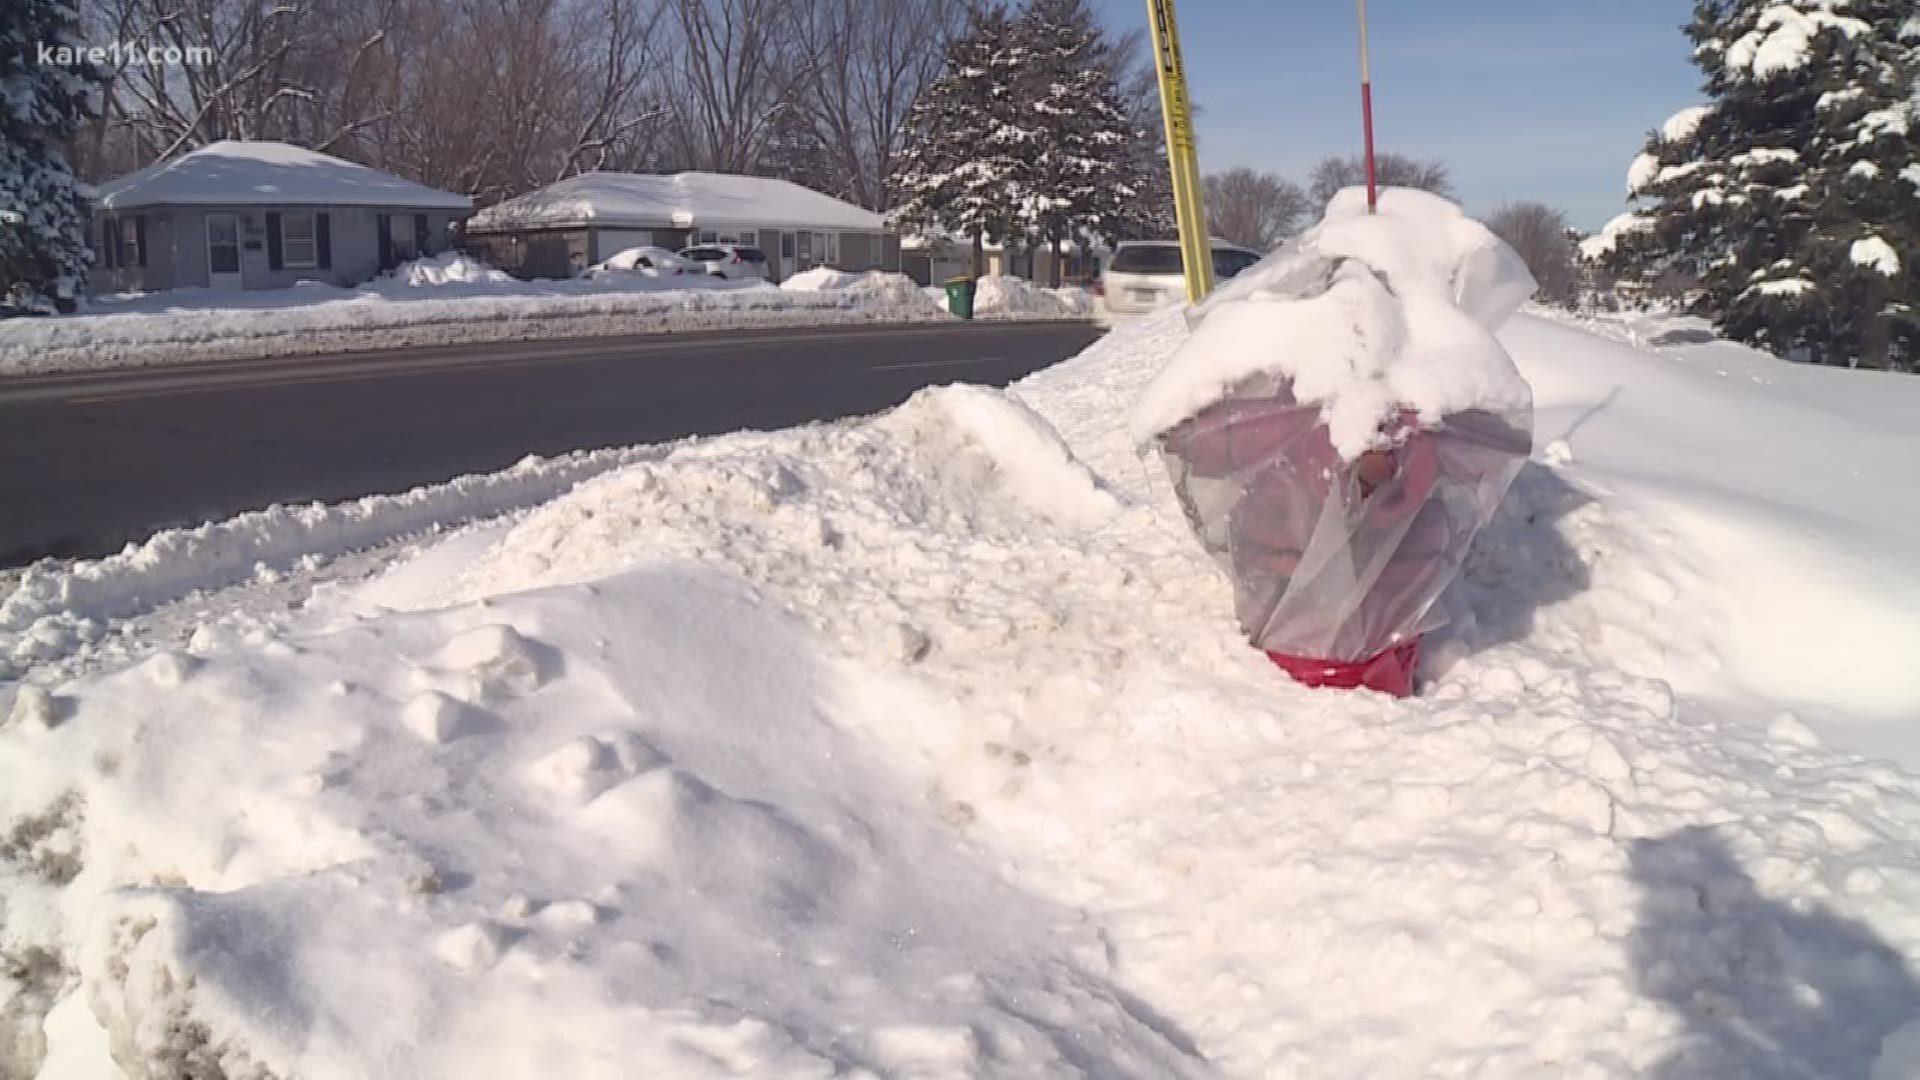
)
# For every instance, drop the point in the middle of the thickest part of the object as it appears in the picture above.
(1196, 253)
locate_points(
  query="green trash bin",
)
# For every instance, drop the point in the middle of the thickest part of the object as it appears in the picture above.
(960, 297)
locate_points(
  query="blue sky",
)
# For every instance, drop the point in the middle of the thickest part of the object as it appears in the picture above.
(1525, 99)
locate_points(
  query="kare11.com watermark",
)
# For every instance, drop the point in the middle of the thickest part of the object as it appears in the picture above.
(124, 54)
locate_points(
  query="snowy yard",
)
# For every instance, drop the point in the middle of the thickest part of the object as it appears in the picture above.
(925, 746)
(454, 300)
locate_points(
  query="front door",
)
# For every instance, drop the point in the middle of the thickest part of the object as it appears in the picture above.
(223, 251)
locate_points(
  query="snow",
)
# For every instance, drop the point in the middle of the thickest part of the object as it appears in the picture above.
(1782, 39)
(237, 173)
(1004, 296)
(646, 261)
(1365, 314)
(443, 301)
(450, 268)
(1681, 125)
(1765, 155)
(678, 201)
(1602, 243)
(1911, 174)
(1794, 286)
(1876, 254)
(878, 284)
(1865, 170)
(924, 745)
(1642, 172)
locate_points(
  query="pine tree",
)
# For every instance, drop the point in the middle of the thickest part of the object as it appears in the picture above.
(1080, 170)
(43, 243)
(957, 171)
(1792, 199)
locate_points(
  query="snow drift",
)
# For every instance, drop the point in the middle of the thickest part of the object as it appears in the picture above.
(926, 745)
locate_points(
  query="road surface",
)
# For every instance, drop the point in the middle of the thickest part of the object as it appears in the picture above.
(90, 461)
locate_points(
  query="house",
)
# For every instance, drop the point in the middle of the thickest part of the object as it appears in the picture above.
(930, 260)
(261, 215)
(565, 227)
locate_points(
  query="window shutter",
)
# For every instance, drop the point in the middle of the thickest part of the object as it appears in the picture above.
(275, 260)
(110, 240)
(421, 236)
(323, 240)
(140, 237)
(383, 238)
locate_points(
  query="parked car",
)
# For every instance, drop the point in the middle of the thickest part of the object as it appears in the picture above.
(1147, 274)
(730, 261)
(644, 261)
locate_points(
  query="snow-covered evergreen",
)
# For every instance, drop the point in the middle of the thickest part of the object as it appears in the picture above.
(1079, 172)
(1026, 136)
(43, 243)
(1792, 198)
(957, 171)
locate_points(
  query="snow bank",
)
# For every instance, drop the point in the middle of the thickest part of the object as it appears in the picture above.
(925, 745)
(443, 301)
(54, 610)
(1365, 314)
(504, 841)
(1000, 296)
(449, 268)
(879, 284)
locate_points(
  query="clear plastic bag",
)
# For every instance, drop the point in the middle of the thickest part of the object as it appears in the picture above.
(1336, 560)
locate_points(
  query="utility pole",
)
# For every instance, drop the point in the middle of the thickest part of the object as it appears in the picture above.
(1196, 251)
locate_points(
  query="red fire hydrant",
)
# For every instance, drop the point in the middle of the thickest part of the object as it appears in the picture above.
(1337, 565)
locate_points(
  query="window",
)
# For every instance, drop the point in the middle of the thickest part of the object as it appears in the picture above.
(830, 242)
(297, 248)
(707, 236)
(1228, 263)
(786, 245)
(130, 250)
(1148, 259)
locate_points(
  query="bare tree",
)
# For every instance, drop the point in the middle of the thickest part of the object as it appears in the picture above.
(739, 67)
(1334, 174)
(871, 59)
(1254, 209)
(1540, 235)
(489, 97)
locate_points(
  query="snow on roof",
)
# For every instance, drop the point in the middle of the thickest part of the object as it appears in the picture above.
(236, 173)
(681, 201)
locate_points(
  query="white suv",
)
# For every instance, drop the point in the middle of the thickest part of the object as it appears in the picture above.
(730, 261)
(1148, 274)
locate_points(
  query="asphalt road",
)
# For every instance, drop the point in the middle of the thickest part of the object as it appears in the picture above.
(88, 462)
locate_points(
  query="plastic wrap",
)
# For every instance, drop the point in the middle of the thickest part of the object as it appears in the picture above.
(1336, 560)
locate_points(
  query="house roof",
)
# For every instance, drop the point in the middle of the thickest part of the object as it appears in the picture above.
(680, 201)
(234, 173)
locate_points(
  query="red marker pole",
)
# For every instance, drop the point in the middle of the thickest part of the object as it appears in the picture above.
(1366, 108)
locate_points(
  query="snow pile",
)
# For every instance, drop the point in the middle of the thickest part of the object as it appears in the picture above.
(506, 841)
(879, 284)
(1001, 296)
(925, 745)
(449, 268)
(53, 611)
(463, 305)
(1365, 314)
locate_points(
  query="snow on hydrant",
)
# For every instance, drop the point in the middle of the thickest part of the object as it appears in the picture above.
(1340, 422)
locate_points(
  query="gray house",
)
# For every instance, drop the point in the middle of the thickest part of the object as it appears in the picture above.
(563, 228)
(261, 215)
